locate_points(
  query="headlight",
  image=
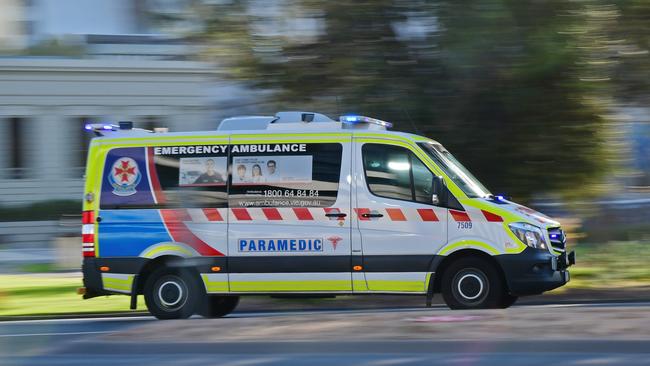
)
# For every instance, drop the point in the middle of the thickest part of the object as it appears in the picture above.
(529, 234)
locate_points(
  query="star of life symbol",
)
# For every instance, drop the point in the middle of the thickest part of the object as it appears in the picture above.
(124, 176)
(334, 240)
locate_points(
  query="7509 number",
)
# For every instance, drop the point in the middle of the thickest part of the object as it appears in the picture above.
(464, 224)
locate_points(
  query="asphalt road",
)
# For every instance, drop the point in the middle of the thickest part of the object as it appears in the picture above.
(591, 334)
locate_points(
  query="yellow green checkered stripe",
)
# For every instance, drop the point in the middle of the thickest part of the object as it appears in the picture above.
(118, 282)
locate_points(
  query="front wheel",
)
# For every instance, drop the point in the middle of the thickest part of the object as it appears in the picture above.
(472, 283)
(172, 293)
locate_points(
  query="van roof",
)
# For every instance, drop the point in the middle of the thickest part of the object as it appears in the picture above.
(281, 123)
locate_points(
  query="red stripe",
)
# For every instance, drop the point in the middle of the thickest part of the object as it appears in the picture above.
(88, 238)
(360, 212)
(427, 214)
(459, 215)
(303, 213)
(241, 214)
(173, 220)
(157, 192)
(212, 214)
(272, 214)
(396, 214)
(492, 217)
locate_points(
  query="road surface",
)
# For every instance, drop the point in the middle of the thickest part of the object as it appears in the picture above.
(567, 334)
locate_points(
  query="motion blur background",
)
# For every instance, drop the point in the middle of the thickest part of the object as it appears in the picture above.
(544, 101)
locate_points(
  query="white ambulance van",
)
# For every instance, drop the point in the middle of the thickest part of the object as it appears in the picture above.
(300, 204)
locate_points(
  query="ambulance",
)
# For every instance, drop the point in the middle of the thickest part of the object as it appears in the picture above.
(298, 204)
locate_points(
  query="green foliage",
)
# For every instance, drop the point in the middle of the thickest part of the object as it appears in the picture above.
(519, 90)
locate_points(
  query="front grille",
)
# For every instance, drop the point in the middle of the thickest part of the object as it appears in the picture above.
(558, 239)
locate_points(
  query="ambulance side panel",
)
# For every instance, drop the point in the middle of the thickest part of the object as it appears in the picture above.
(153, 203)
(400, 230)
(290, 227)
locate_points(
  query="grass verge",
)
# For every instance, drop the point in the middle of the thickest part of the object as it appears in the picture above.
(53, 294)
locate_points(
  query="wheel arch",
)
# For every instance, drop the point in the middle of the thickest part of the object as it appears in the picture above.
(441, 263)
(154, 264)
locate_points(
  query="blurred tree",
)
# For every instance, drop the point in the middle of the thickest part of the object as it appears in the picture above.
(518, 90)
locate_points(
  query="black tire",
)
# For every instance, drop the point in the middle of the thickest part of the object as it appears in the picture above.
(472, 283)
(172, 293)
(508, 300)
(218, 306)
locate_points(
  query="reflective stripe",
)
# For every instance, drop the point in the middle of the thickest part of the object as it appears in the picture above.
(303, 214)
(516, 246)
(397, 281)
(241, 214)
(463, 244)
(168, 248)
(215, 282)
(427, 214)
(118, 282)
(289, 282)
(272, 213)
(395, 214)
(213, 214)
(87, 229)
(490, 217)
(459, 215)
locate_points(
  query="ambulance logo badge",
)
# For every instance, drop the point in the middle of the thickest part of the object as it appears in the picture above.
(124, 176)
(335, 241)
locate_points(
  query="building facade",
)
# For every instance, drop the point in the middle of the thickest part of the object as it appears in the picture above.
(45, 102)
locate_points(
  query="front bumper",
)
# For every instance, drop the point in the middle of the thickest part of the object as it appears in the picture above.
(534, 271)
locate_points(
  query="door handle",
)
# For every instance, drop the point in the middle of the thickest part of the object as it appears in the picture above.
(368, 215)
(99, 219)
(336, 214)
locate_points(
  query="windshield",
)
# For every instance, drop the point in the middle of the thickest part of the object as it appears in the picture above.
(455, 170)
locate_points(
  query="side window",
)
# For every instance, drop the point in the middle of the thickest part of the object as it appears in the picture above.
(165, 177)
(191, 176)
(422, 180)
(285, 175)
(395, 172)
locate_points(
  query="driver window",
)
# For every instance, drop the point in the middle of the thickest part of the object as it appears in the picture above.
(423, 180)
(395, 172)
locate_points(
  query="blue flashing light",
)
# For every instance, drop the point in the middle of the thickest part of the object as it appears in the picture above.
(88, 127)
(500, 198)
(363, 119)
(107, 127)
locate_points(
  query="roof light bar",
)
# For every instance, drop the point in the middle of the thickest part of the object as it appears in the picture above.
(353, 119)
(98, 128)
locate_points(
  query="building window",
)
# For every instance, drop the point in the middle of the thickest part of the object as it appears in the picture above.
(81, 154)
(16, 148)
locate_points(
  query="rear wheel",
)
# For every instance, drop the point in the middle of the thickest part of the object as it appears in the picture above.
(218, 306)
(472, 283)
(172, 293)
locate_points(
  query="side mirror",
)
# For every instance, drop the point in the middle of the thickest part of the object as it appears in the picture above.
(439, 191)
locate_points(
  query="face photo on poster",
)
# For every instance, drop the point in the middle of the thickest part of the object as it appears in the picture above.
(202, 171)
(272, 169)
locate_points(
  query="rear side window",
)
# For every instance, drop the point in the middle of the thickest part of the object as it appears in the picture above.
(285, 175)
(165, 177)
(395, 172)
